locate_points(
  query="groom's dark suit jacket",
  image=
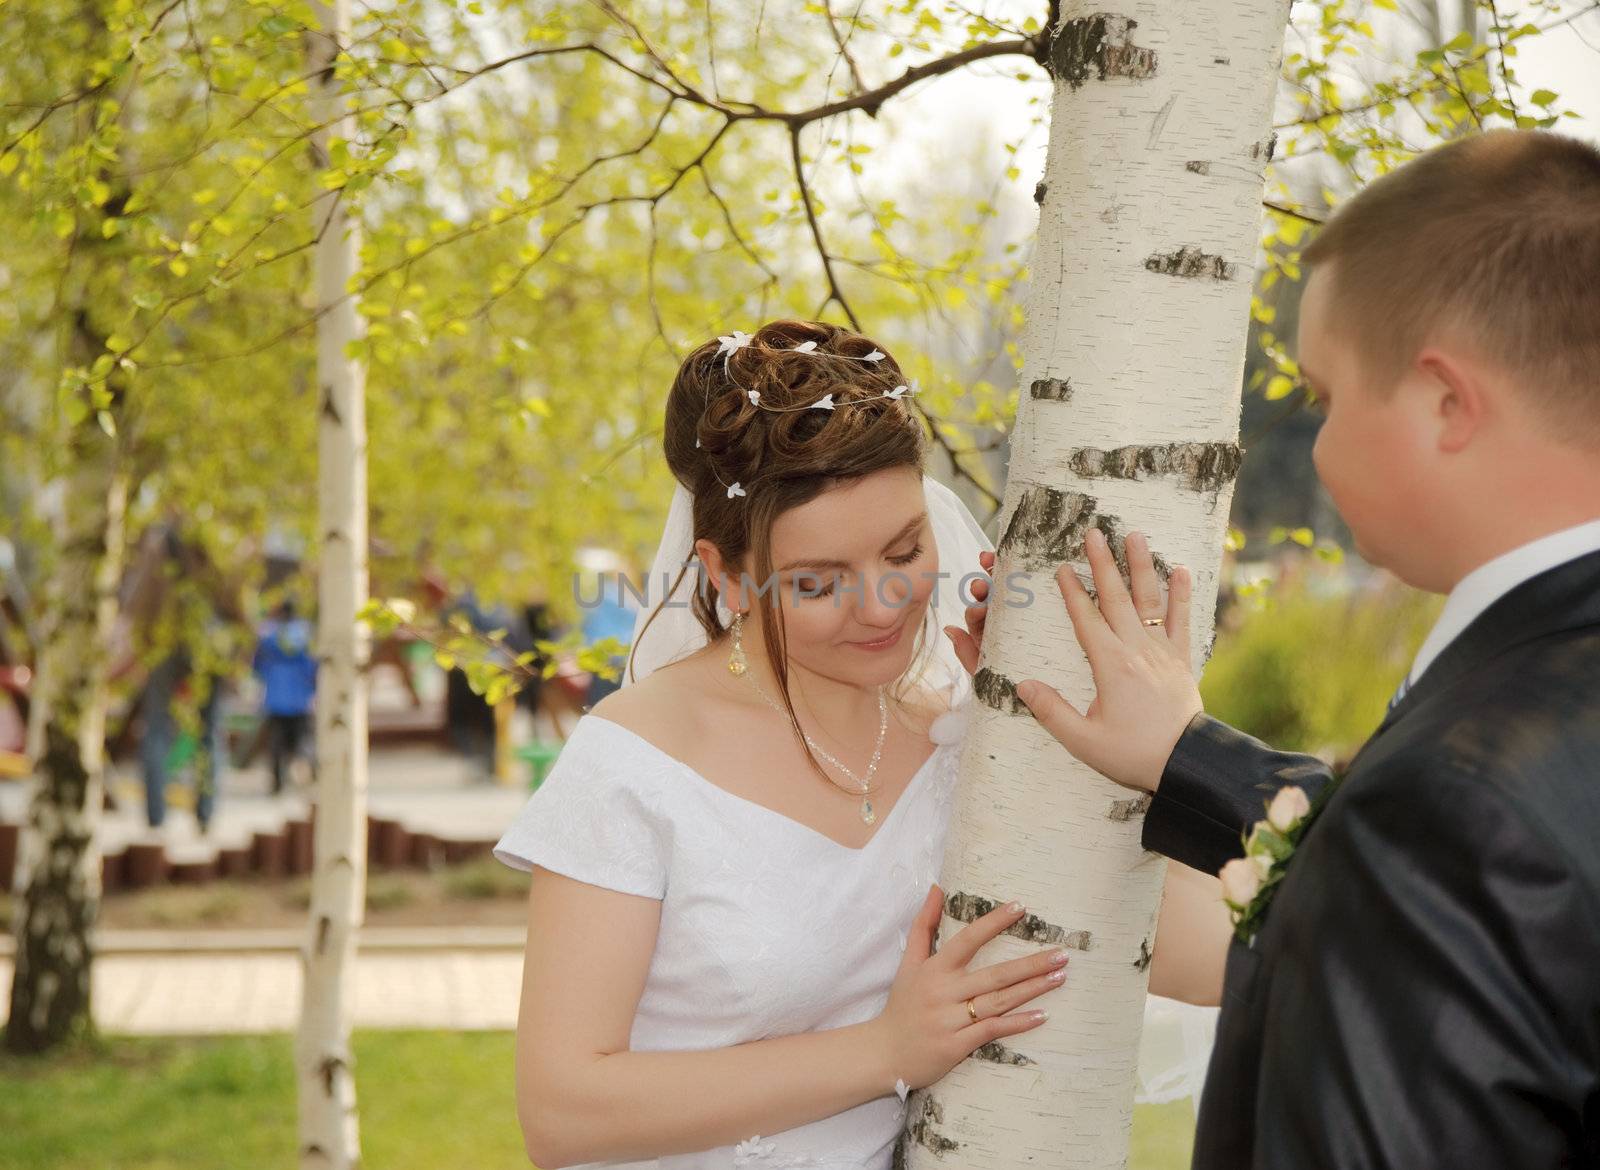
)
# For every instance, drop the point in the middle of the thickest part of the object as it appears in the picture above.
(1425, 991)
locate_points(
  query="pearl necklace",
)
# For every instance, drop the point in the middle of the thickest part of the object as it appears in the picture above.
(868, 814)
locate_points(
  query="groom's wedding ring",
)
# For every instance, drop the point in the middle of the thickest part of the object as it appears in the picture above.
(972, 1010)
(1155, 621)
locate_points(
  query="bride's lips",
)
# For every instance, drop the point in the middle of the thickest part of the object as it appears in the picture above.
(883, 643)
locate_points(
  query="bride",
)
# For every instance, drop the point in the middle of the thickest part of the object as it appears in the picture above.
(732, 913)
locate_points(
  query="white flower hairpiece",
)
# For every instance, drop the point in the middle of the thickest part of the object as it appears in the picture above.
(826, 402)
(731, 343)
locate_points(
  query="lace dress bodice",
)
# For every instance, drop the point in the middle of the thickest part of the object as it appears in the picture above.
(768, 927)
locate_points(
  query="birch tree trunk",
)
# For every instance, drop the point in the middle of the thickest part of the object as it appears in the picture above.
(50, 988)
(1136, 322)
(50, 1001)
(329, 1134)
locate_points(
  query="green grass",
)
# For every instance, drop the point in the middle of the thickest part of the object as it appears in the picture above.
(428, 1101)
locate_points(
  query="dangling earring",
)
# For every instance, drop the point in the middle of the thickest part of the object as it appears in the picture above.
(736, 662)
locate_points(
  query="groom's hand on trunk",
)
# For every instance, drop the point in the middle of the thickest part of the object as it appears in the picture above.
(1146, 693)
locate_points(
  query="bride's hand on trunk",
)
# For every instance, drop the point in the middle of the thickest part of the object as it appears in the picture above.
(926, 1028)
(969, 642)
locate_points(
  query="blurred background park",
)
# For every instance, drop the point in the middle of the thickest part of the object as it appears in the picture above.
(544, 231)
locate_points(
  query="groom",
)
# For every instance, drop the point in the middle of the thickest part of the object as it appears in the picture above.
(1424, 989)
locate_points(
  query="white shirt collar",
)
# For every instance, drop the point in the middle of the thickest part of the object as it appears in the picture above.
(1492, 580)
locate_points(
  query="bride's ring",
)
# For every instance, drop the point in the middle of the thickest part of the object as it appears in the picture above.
(1155, 621)
(972, 1010)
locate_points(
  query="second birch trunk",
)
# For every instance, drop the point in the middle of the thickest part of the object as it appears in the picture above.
(324, 1065)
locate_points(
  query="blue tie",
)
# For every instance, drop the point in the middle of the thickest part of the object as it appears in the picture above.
(1399, 693)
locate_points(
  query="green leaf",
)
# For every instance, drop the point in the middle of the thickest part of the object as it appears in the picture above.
(1280, 386)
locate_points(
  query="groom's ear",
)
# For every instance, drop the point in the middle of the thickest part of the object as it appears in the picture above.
(1459, 401)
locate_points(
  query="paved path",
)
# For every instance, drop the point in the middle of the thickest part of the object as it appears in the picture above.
(404, 979)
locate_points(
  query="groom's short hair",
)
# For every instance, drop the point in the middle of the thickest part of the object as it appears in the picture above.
(1497, 236)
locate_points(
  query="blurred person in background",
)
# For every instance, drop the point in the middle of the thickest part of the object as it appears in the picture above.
(288, 672)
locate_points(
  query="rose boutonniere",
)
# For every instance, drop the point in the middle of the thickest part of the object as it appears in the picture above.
(1248, 882)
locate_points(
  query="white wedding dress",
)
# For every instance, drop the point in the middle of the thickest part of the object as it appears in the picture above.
(768, 927)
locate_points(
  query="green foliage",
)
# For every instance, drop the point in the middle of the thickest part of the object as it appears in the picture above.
(493, 669)
(1309, 670)
(546, 231)
(1371, 87)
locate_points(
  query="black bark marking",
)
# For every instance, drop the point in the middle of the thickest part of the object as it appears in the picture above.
(1053, 389)
(324, 923)
(1126, 810)
(1266, 148)
(1198, 167)
(1038, 192)
(1098, 46)
(1029, 928)
(330, 1067)
(1205, 467)
(1191, 262)
(328, 407)
(997, 1053)
(1145, 953)
(922, 1131)
(995, 690)
(1047, 528)
(1219, 61)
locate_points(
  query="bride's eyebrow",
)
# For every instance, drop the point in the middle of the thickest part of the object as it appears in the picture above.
(911, 526)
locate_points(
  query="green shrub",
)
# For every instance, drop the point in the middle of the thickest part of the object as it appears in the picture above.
(1311, 671)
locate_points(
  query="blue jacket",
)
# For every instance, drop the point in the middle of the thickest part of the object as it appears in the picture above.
(285, 666)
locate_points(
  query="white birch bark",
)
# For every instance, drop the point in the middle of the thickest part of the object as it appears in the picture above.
(60, 885)
(1134, 348)
(324, 1064)
(50, 989)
